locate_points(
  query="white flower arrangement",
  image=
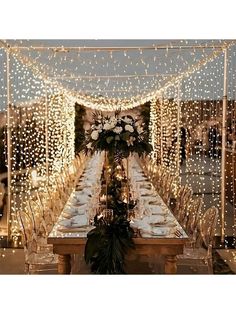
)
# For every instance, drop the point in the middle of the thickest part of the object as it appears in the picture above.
(123, 134)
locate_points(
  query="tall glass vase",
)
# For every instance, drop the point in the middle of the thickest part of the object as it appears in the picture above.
(106, 177)
(128, 182)
(109, 165)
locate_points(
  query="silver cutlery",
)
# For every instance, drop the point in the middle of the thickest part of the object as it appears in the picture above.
(178, 233)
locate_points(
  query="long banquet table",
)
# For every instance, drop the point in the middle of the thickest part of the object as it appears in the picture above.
(159, 231)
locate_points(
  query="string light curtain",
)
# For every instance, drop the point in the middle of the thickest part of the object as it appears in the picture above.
(42, 136)
(201, 117)
(155, 130)
(230, 169)
(201, 113)
(164, 131)
(170, 128)
(3, 82)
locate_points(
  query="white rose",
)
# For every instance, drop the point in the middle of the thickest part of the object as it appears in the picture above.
(118, 129)
(89, 145)
(94, 135)
(129, 128)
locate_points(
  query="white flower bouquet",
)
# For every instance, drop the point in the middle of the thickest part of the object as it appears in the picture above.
(118, 135)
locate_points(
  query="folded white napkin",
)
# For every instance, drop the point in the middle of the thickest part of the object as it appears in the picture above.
(86, 191)
(80, 220)
(74, 222)
(79, 210)
(81, 198)
(154, 219)
(140, 224)
(88, 180)
(82, 209)
(156, 209)
(145, 192)
(158, 231)
(71, 210)
(134, 224)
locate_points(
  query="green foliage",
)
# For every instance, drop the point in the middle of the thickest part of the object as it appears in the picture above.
(110, 240)
(107, 246)
(112, 237)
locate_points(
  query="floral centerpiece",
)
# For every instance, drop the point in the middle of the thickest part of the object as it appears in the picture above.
(118, 135)
(112, 238)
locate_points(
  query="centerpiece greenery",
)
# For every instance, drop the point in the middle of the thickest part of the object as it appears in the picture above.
(112, 238)
(107, 245)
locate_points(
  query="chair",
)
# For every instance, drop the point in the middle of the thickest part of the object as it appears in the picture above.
(182, 202)
(46, 212)
(63, 195)
(199, 258)
(191, 219)
(55, 201)
(157, 178)
(167, 188)
(37, 261)
(161, 179)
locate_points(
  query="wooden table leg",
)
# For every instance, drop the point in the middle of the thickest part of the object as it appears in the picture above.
(170, 264)
(64, 265)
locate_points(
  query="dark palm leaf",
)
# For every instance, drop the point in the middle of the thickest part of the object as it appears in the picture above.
(107, 245)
